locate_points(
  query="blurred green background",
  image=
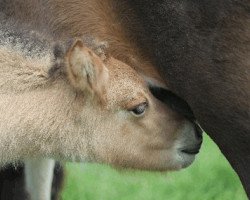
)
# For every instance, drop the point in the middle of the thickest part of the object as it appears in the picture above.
(210, 177)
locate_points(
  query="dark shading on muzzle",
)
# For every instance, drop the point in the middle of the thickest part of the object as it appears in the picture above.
(177, 104)
(173, 101)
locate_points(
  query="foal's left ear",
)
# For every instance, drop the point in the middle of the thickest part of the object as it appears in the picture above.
(86, 71)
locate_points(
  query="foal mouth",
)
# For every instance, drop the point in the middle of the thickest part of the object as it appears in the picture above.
(192, 150)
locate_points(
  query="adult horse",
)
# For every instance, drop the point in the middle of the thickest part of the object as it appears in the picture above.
(203, 50)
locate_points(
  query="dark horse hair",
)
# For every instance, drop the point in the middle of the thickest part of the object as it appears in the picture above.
(202, 49)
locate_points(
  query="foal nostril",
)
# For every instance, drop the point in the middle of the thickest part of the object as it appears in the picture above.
(198, 132)
(194, 149)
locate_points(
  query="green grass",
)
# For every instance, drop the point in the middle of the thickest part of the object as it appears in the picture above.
(209, 178)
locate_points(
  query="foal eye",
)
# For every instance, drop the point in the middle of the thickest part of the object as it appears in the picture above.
(139, 110)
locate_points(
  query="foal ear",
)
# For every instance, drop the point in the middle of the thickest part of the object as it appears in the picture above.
(85, 70)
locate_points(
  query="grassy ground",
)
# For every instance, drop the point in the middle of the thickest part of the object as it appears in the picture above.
(209, 178)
